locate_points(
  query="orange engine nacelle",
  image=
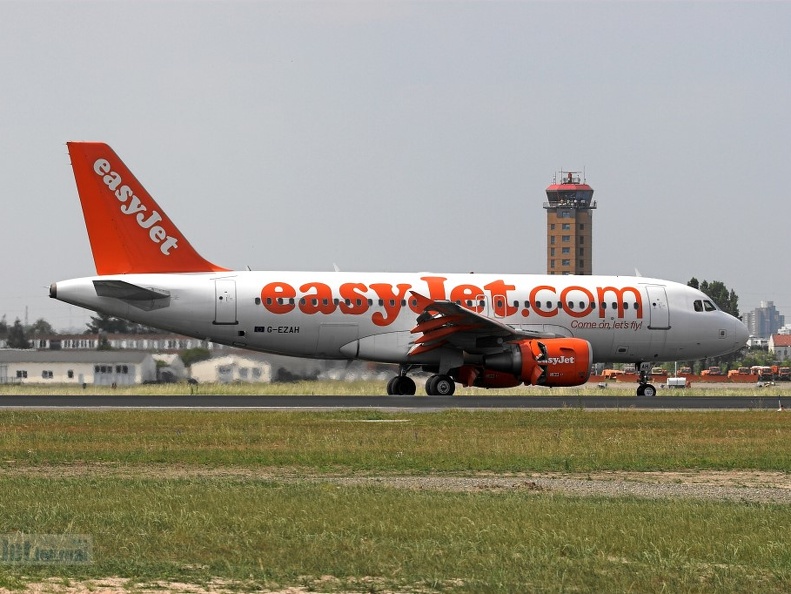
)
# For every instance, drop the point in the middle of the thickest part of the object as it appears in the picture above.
(551, 362)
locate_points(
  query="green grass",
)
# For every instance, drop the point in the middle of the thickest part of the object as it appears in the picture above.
(163, 497)
(368, 388)
(450, 441)
(262, 533)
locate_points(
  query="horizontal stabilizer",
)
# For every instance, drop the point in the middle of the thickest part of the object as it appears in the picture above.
(140, 297)
(127, 291)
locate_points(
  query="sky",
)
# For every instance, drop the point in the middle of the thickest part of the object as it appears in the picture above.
(404, 136)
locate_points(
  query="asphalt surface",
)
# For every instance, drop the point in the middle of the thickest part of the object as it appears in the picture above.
(398, 402)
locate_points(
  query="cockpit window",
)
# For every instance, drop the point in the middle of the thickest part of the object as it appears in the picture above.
(704, 305)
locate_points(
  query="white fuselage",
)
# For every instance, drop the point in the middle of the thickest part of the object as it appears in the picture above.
(346, 315)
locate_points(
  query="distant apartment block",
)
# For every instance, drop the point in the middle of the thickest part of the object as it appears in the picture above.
(764, 321)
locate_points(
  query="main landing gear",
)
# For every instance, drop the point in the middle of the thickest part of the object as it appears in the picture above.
(645, 389)
(436, 385)
(401, 385)
(440, 385)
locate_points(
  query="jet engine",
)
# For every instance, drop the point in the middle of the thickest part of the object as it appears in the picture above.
(551, 362)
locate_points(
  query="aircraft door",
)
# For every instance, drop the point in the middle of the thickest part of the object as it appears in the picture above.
(225, 301)
(658, 310)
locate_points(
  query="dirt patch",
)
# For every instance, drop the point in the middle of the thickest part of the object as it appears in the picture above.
(747, 485)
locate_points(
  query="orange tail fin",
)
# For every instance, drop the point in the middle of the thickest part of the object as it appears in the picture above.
(129, 232)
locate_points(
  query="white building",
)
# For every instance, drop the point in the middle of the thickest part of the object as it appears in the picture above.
(26, 366)
(170, 367)
(142, 342)
(780, 345)
(757, 342)
(232, 368)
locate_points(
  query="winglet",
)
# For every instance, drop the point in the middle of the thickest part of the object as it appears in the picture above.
(128, 231)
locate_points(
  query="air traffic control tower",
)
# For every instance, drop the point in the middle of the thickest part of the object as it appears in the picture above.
(569, 225)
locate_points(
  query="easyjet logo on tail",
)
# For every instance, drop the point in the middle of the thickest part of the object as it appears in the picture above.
(131, 206)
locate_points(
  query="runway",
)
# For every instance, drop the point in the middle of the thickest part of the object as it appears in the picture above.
(393, 402)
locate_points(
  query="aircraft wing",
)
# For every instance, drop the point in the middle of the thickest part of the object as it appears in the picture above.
(446, 323)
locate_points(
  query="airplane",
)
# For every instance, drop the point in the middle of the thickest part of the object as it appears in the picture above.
(486, 330)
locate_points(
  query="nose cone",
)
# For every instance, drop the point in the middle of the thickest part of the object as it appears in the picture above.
(740, 333)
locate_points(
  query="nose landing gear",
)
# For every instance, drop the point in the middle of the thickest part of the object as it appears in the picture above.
(645, 388)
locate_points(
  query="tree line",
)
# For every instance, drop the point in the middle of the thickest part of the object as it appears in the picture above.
(18, 335)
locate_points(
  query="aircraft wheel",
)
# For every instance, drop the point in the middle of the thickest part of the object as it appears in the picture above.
(641, 390)
(392, 385)
(649, 390)
(431, 389)
(444, 386)
(406, 386)
(440, 385)
(401, 385)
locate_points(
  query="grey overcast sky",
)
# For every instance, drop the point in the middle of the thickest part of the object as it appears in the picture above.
(404, 136)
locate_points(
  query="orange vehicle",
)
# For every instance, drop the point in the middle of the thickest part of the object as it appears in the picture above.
(766, 374)
(612, 374)
(713, 370)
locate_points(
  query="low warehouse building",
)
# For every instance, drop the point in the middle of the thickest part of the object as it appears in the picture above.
(233, 368)
(103, 368)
